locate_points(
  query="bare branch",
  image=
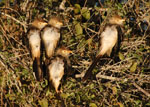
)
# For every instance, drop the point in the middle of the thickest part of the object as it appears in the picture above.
(22, 23)
(142, 90)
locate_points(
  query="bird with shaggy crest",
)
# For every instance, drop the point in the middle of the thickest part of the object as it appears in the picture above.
(50, 36)
(34, 40)
(110, 38)
(57, 66)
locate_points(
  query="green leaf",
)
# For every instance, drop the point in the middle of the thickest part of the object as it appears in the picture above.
(138, 102)
(89, 41)
(93, 105)
(114, 89)
(120, 104)
(11, 97)
(77, 98)
(133, 67)
(75, 22)
(44, 83)
(63, 95)
(119, 6)
(71, 94)
(43, 103)
(101, 88)
(78, 29)
(121, 57)
(77, 8)
(91, 86)
(92, 96)
(148, 104)
(85, 13)
(48, 92)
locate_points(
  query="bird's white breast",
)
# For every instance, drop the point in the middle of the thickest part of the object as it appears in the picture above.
(56, 71)
(34, 38)
(108, 39)
(50, 37)
(50, 34)
(34, 41)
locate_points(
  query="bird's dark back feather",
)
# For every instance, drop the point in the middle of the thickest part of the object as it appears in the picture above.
(89, 71)
(37, 68)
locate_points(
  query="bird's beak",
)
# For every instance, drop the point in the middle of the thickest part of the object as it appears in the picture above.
(70, 52)
(61, 24)
(45, 24)
(124, 19)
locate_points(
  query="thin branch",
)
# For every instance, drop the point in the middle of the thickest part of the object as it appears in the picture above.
(108, 77)
(142, 90)
(6, 67)
(62, 5)
(7, 15)
(118, 79)
(80, 75)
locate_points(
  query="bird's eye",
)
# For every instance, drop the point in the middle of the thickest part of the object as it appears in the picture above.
(64, 51)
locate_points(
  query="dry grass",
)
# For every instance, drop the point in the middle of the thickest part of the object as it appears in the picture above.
(122, 83)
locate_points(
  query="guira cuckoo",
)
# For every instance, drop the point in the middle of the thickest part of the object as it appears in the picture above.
(50, 35)
(109, 39)
(34, 40)
(57, 67)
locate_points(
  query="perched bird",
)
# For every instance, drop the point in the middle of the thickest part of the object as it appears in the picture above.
(50, 35)
(57, 66)
(34, 40)
(110, 38)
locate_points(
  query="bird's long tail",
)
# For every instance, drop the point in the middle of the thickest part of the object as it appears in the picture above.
(37, 68)
(89, 71)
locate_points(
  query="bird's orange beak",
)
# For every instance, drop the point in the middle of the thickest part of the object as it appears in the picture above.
(70, 52)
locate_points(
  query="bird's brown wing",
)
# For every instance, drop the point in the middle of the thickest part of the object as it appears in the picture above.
(116, 48)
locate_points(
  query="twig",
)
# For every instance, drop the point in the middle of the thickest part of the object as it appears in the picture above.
(6, 67)
(24, 25)
(80, 75)
(8, 8)
(24, 5)
(118, 79)
(85, 3)
(2, 97)
(5, 35)
(92, 31)
(100, 3)
(142, 90)
(17, 56)
(117, 65)
(103, 9)
(108, 77)
(104, 68)
(62, 5)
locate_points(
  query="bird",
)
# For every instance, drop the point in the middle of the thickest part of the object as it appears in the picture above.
(110, 38)
(57, 66)
(34, 40)
(50, 36)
